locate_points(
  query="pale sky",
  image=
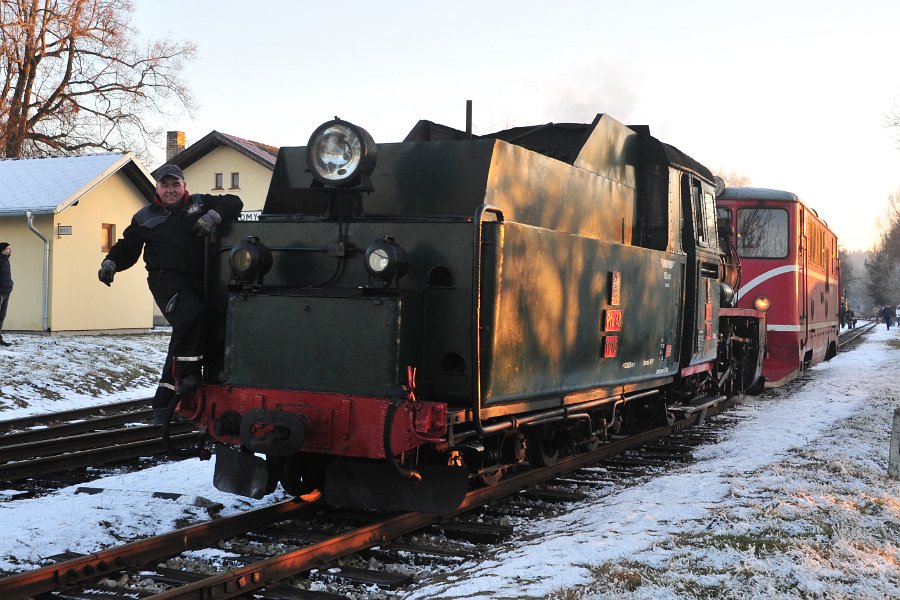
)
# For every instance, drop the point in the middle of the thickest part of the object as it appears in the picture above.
(794, 95)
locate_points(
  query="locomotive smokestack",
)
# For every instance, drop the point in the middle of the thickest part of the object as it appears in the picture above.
(469, 118)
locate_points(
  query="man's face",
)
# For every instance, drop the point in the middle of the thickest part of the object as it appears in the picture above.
(7, 251)
(170, 190)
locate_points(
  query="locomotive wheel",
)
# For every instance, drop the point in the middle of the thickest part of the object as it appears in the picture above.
(543, 452)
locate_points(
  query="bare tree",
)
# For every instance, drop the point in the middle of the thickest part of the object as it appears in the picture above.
(74, 79)
(883, 265)
(733, 179)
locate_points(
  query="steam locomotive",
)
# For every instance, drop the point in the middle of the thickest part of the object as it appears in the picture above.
(407, 319)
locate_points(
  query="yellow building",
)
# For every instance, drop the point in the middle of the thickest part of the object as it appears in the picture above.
(220, 163)
(61, 215)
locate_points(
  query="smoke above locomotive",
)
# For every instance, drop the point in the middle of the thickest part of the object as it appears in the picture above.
(404, 318)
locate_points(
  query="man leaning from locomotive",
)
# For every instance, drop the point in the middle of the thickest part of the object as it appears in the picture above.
(172, 233)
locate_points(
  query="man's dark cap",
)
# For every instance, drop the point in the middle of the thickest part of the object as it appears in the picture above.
(169, 171)
(3, 246)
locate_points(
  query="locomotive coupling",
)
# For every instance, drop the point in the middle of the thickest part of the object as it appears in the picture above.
(273, 432)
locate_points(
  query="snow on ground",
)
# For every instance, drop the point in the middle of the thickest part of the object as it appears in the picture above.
(793, 503)
(40, 373)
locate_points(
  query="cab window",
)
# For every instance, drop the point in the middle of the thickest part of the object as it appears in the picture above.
(699, 221)
(693, 203)
(762, 233)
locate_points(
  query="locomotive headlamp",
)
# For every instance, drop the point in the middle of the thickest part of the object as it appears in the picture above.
(386, 259)
(341, 154)
(761, 303)
(250, 259)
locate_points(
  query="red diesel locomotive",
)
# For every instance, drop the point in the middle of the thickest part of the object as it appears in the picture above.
(791, 270)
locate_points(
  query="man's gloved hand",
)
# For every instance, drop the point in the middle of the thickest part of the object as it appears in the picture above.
(107, 272)
(206, 223)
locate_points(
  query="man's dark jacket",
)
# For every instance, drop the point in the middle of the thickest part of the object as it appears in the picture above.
(166, 236)
(6, 282)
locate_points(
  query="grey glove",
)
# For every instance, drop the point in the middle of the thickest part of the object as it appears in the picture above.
(206, 223)
(107, 272)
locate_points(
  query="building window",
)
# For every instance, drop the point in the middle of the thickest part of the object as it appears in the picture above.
(219, 182)
(235, 181)
(107, 236)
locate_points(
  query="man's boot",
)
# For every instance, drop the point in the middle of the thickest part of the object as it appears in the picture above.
(159, 416)
(161, 402)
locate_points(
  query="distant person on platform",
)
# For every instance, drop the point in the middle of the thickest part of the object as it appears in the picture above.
(887, 313)
(6, 285)
(172, 233)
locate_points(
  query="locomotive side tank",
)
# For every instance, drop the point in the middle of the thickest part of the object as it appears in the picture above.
(459, 306)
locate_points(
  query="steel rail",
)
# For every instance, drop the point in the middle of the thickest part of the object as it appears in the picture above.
(85, 441)
(75, 413)
(851, 335)
(87, 458)
(67, 429)
(89, 567)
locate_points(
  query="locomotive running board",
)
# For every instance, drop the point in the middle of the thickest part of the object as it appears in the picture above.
(355, 485)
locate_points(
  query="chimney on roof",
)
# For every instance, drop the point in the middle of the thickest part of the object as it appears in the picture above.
(174, 143)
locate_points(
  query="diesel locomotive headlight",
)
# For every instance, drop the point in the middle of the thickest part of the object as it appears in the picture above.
(250, 259)
(761, 303)
(341, 154)
(386, 259)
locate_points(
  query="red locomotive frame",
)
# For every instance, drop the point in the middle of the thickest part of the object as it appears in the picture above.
(789, 266)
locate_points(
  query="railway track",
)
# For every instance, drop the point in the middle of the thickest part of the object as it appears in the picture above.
(268, 572)
(47, 419)
(82, 438)
(851, 335)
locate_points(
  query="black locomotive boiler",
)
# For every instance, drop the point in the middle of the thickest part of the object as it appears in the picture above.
(406, 319)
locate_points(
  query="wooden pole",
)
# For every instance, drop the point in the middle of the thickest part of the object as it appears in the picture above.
(894, 453)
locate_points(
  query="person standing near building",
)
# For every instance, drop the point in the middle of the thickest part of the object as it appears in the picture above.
(6, 285)
(172, 233)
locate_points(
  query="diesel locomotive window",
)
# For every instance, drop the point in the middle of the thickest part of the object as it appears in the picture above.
(817, 245)
(762, 232)
(725, 227)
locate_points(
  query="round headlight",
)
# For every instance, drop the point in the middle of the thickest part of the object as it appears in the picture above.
(340, 153)
(378, 260)
(250, 259)
(242, 259)
(386, 259)
(761, 303)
